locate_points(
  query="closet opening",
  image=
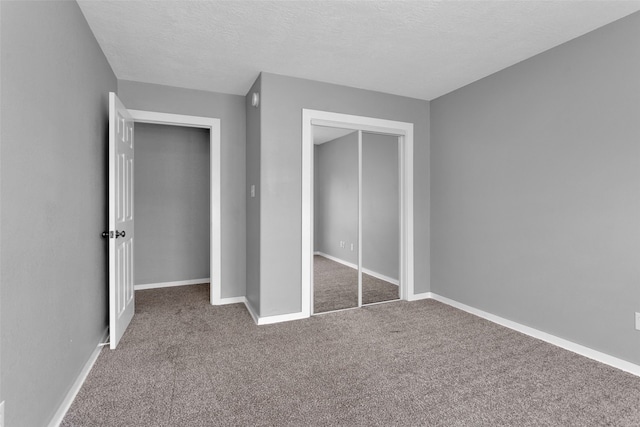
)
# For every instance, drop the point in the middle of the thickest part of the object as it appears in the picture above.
(179, 201)
(172, 205)
(357, 211)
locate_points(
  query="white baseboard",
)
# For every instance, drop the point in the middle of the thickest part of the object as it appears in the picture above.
(170, 284)
(338, 260)
(268, 320)
(230, 300)
(251, 311)
(544, 336)
(364, 270)
(381, 276)
(416, 297)
(77, 385)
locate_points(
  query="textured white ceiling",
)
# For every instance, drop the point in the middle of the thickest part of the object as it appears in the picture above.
(421, 49)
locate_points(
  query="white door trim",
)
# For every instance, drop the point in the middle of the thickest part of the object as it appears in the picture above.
(359, 267)
(368, 124)
(215, 227)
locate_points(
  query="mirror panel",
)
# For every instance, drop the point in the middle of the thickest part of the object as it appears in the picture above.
(335, 280)
(380, 218)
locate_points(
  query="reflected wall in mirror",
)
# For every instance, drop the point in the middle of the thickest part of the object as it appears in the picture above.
(380, 218)
(335, 260)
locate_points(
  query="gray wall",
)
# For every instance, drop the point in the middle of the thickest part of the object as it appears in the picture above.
(336, 201)
(253, 203)
(283, 99)
(172, 203)
(381, 204)
(55, 85)
(336, 197)
(535, 186)
(230, 109)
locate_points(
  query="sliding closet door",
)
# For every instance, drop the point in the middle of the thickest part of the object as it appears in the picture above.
(335, 280)
(380, 199)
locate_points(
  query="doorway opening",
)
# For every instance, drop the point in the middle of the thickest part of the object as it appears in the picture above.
(399, 139)
(213, 127)
(171, 188)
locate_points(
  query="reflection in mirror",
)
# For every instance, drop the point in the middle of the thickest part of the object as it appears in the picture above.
(380, 218)
(335, 279)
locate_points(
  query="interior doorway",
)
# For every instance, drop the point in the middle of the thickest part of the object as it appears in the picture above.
(213, 127)
(121, 212)
(171, 187)
(401, 133)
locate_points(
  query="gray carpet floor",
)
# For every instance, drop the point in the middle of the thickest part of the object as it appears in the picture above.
(183, 362)
(335, 287)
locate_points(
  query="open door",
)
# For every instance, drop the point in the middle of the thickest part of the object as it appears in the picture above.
(121, 215)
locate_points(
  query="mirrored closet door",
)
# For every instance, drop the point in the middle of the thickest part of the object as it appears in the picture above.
(356, 218)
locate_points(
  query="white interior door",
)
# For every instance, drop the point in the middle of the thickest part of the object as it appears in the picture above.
(121, 215)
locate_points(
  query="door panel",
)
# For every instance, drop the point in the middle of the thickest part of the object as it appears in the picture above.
(380, 218)
(335, 279)
(121, 219)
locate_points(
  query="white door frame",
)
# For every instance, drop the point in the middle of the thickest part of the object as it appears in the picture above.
(404, 131)
(213, 125)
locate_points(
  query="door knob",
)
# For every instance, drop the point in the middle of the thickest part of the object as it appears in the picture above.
(106, 234)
